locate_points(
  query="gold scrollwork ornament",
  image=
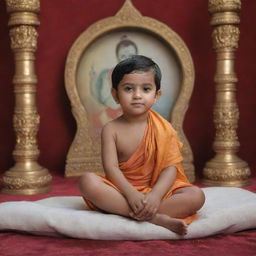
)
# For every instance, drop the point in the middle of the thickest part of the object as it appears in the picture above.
(23, 5)
(23, 37)
(225, 36)
(224, 5)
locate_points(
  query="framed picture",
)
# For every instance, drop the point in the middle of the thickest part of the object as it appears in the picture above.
(96, 65)
(89, 64)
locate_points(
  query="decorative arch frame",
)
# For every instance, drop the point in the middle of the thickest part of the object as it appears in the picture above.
(84, 152)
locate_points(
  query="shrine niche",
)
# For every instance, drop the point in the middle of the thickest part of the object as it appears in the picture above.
(88, 67)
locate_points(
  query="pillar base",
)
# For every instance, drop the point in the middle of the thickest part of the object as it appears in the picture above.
(21, 182)
(227, 174)
(216, 183)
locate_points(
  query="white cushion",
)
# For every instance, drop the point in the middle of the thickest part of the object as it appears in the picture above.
(226, 210)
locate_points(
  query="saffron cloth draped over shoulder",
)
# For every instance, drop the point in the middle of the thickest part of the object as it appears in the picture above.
(159, 149)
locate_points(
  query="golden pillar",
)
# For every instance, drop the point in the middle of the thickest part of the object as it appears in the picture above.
(26, 177)
(226, 168)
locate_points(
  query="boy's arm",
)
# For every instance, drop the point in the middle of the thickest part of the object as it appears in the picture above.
(165, 181)
(153, 199)
(113, 172)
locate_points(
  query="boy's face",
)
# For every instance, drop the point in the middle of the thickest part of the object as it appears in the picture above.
(136, 92)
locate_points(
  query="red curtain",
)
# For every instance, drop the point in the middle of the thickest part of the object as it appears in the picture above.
(63, 21)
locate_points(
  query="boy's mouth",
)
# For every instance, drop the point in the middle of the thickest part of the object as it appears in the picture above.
(137, 104)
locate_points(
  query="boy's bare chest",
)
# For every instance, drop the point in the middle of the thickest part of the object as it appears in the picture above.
(127, 142)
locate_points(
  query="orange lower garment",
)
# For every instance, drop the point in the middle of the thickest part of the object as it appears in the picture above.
(159, 148)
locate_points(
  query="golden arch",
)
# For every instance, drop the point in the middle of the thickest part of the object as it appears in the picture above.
(84, 153)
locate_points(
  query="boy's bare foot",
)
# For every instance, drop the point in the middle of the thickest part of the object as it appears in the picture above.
(176, 225)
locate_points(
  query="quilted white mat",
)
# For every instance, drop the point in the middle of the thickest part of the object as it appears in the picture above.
(226, 210)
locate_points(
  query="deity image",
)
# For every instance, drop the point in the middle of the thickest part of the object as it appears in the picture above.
(100, 84)
(95, 69)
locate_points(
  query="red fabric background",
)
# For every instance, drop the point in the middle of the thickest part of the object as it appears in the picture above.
(63, 21)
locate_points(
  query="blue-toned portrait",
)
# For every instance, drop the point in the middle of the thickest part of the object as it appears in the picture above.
(98, 61)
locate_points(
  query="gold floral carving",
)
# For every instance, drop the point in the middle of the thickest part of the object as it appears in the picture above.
(226, 168)
(20, 183)
(23, 37)
(226, 131)
(223, 18)
(26, 127)
(234, 176)
(225, 119)
(23, 5)
(224, 5)
(226, 112)
(225, 36)
(84, 153)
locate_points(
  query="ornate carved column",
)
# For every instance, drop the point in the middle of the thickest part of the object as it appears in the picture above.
(27, 176)
(226, 168)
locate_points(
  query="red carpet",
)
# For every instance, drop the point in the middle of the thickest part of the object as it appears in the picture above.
(242, 243)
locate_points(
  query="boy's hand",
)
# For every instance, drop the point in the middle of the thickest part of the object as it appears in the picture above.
(135, 201)
(151, 203)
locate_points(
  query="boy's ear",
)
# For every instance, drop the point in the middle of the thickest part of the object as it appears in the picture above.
(158, 95)
(114, 95)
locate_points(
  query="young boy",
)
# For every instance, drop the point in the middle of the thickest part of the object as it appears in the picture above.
(141, 156)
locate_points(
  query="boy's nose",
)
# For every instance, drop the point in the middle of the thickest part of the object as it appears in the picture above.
(137, 94)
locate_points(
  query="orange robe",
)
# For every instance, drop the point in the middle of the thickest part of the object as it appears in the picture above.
(159, 148)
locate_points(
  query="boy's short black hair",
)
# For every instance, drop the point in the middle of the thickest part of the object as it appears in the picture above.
(136, 62)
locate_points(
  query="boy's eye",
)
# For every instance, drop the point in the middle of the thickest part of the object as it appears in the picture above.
(127, 88)
(147, 89)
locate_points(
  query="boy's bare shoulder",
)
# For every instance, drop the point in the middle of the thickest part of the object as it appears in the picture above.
(111, 127)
